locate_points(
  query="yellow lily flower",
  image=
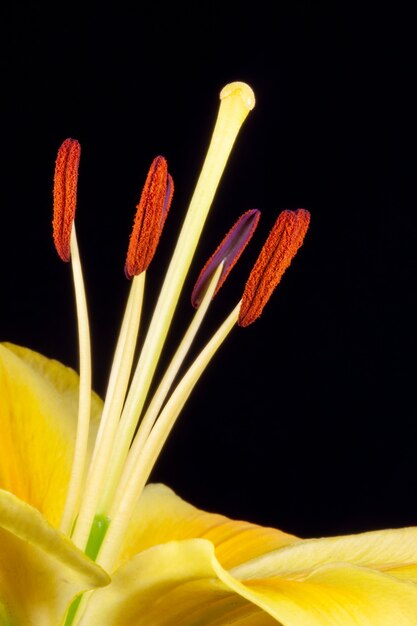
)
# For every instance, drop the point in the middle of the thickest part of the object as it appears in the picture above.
(84, 540)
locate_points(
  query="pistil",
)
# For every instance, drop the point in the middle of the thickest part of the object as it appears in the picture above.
(236, 100)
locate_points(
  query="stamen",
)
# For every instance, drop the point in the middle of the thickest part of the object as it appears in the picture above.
(276, 255)
(125, 501)
(227, 252)
(150, 217)
(84, 399)
(65, 239)
(162, 391)
(65, 195)
(115, 396)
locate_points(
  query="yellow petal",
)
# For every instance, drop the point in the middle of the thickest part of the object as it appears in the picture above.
(162, 516)
(365, 579)
(338, 595)
(392, 551)
(38, 412)
(358, 580)
(175, 583)
(40, 569)
(182, 583)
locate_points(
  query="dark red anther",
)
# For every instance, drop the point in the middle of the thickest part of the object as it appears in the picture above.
(228, 252)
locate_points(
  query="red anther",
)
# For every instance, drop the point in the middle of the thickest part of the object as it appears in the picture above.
(276, 255)
(65, 195)
(150, 217)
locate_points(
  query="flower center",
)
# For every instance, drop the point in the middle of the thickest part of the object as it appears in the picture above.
(101, 499)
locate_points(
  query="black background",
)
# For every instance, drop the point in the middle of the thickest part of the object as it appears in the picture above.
(305, 420)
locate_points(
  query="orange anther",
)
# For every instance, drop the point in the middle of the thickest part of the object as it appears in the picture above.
(276, 255)
(65, 195)
(150, 217)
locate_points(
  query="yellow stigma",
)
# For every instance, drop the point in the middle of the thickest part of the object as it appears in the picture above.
(242, 90)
